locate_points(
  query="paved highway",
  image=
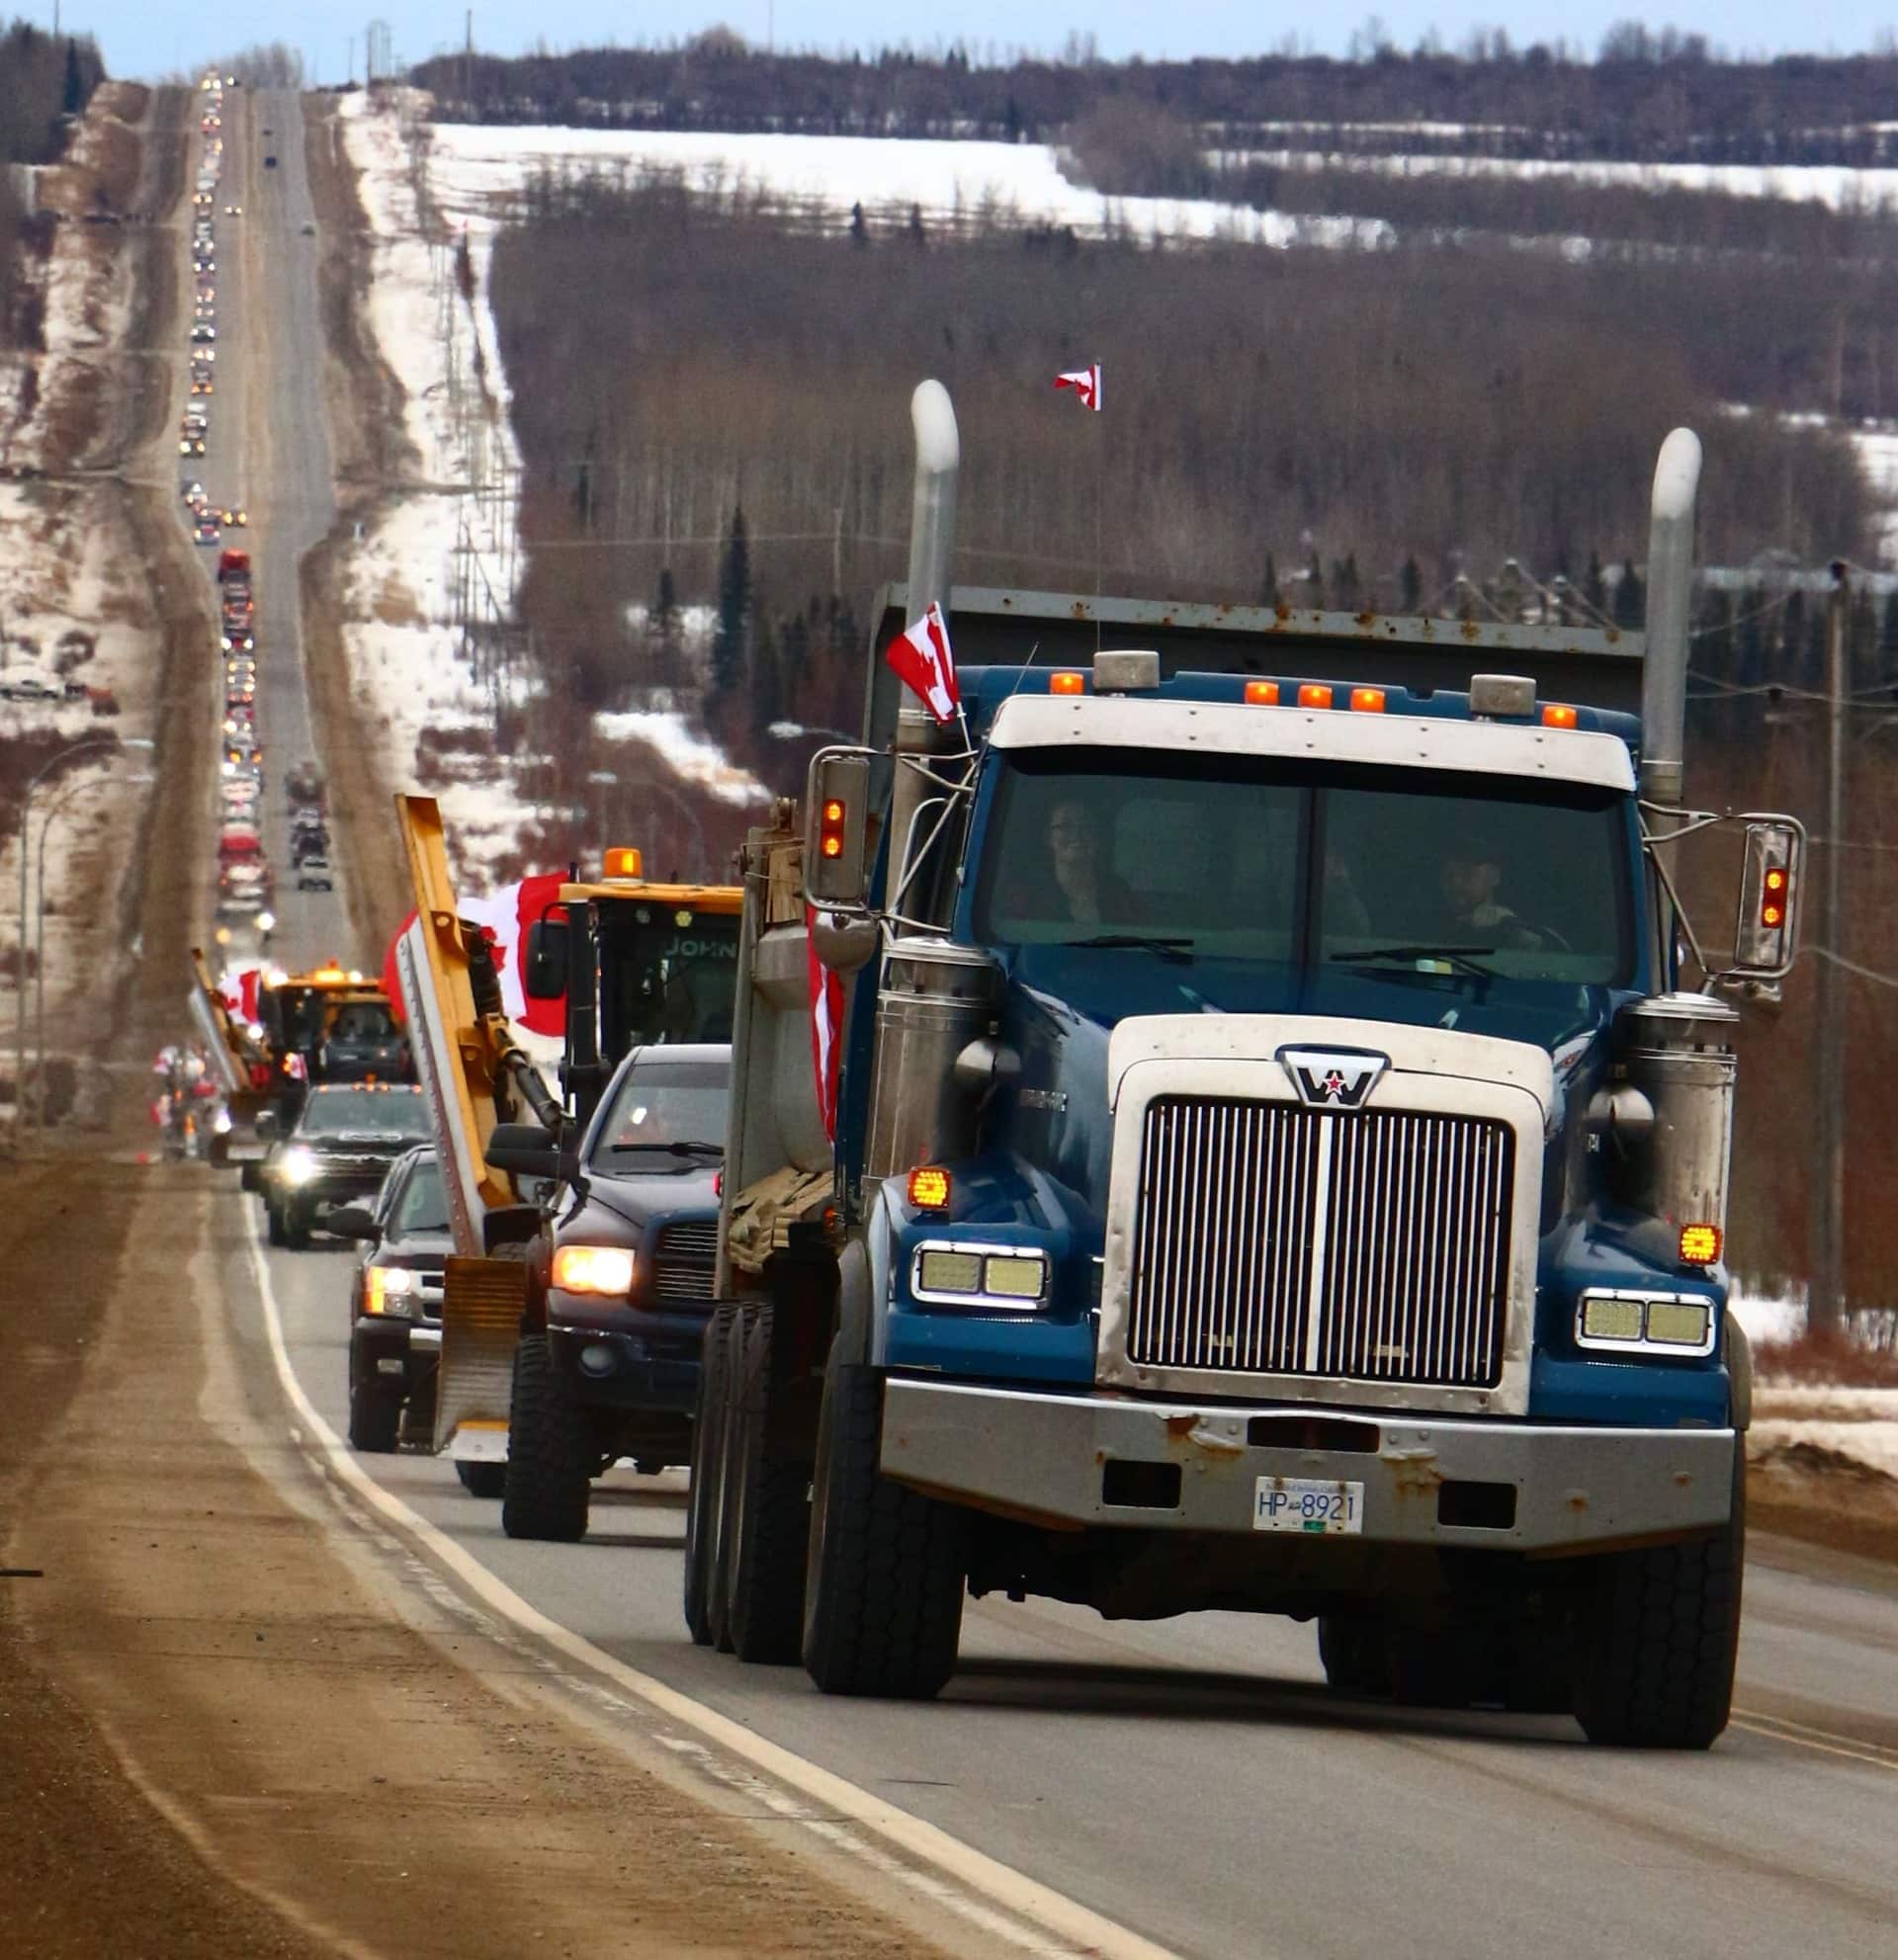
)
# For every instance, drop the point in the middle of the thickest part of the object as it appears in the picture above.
(1190, 1779)
(269, 451)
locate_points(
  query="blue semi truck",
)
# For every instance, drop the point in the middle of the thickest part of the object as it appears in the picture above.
(1279, 1162)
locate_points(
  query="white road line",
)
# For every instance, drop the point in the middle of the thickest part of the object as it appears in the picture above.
(1075, 1927)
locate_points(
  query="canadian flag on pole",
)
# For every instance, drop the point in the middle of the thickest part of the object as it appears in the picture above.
(1085, 383)
(505, 916)
(238, 987)
(826, 1026)
(925, 665)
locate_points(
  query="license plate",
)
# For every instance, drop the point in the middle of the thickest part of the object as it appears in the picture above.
(1313, 1505)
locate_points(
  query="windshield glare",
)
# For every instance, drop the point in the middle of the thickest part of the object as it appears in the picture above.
(1268, 862)
(658, 1104)
(364, 1113)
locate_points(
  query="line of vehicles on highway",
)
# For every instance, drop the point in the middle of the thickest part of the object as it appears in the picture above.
(1204, 1110)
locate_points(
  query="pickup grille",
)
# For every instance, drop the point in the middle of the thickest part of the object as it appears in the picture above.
(1379, 1251)
(684, 1259)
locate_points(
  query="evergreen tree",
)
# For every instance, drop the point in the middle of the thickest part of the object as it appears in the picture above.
(1715, 651)
(1410, 588)
(859, 231)
(765, 690)
(76, 93)
(664, 620)
(1269, 591)
(1595, 589)
(1344, 583)
(1888, 638)
(735, 606)
(1631, 599)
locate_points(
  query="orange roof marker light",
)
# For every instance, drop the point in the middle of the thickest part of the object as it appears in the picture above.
(929, 1188)
(1558, 715)
(1700, 1245)
(625, 861)
(1312, 695)
(1367, 700)
(1261, 694)
(1067, 683)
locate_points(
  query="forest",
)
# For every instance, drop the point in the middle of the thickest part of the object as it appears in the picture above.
(44, 82)
(1647, 95)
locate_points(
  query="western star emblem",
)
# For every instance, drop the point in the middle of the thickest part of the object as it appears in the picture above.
(1333, 1078)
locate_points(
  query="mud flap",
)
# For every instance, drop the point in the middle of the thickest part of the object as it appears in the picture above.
(482, 1305)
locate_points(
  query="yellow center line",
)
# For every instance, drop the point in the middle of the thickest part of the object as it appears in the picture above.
(1776, 1728)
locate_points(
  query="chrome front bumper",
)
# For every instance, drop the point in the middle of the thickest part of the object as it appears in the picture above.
(1048, 1457)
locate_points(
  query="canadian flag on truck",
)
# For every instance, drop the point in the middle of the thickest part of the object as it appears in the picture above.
(504, 917)
(925, 665)
(826, 1025)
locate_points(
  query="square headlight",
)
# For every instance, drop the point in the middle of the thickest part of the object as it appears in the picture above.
(949, 1272)
(1679, 1323)
(1608, 1318)
(1016, 1276)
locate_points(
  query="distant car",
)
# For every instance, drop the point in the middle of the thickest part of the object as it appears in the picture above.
(233, 210)
(315, 874)
(192, 492)
(235, 519)
(191, 446)
(270, 161)
(345, 1140)
(395, 1309)
(202, 330)
(27, 687)
(209, 533)
(311, 849)
(309, 229)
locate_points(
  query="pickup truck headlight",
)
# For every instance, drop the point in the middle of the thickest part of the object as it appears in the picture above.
(1006, 1278)
(604, 1269)
(391, 1291)
(1631, 1321)
(297, 1165)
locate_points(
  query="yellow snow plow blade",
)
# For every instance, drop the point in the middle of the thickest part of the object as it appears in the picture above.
(482, 1304)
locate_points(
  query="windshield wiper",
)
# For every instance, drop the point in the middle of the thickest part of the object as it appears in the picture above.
(681, 1149)
(1175, 949)
(1464, 959)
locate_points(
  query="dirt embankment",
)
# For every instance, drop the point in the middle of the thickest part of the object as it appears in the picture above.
(371, 452)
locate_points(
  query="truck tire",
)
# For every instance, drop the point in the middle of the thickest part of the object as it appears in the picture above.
(548, 1471)
(883, 1602)
(702, 1495)
(1659, 1634)
(296, 1230)
(374, 1419)
(482, 1479)
(762, 1556)
(274, 1224)
(1355, 1655)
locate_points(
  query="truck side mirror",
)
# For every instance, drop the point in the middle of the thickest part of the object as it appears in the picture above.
(545, 977)
(523, 1149)
(837, 828)
(1767, 935)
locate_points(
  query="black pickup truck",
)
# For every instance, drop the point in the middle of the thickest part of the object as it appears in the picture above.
(345, 1137)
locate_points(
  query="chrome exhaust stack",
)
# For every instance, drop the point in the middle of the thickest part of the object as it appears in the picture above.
(1664, 676)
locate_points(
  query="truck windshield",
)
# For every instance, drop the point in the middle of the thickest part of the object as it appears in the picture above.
(668, 974)
(1234, 862)
(393, 1113)
(665, 1115)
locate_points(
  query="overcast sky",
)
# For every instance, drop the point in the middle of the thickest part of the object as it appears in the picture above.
(140, 38)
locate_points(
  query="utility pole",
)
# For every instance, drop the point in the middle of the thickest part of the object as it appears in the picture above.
(1826, 1306)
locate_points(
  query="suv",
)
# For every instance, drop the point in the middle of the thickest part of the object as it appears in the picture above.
(345, 1139)
(620, 1283)
(395, 1309)
(363, 1043)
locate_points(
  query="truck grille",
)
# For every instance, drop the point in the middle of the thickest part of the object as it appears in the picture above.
(1264, 1246)
(684, 1257)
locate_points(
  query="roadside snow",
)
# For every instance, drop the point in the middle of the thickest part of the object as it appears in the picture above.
(421, 671)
